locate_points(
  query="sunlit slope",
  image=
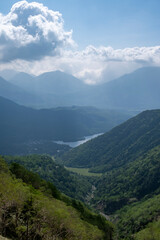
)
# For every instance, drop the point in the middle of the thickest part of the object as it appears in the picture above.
(36, 210)
(119, 146)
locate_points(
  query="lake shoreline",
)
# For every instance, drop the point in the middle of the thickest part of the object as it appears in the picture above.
(79, 142)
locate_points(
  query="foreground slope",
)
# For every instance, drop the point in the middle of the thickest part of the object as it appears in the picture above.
(119, 146)
(34, 209)
(70, 184)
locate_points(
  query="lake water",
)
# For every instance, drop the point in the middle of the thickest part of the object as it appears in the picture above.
(77, 143)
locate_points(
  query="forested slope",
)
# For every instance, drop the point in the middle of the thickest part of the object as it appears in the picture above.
(69, 183)
(119, 146)
(31, 208)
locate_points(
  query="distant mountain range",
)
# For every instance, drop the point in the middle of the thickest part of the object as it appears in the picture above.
(52, 89)
(15, 93)
(135, 91)
(19, 124)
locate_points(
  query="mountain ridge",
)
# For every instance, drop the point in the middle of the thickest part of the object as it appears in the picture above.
(123, 143)
(19, 124)
(137, 90)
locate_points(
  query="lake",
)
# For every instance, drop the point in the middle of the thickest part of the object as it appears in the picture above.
(77, 143)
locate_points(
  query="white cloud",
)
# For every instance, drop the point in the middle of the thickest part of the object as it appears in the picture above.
(96, 65)
(31, 31)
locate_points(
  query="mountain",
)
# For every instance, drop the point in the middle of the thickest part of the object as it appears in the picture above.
(23, 80)
(53, 88)
(8, 74)
(15, 93)
(138, 90)
(129, 188)
(32, 208)
(56, 82)
(59, 83)
(19, 124)
(121, 145)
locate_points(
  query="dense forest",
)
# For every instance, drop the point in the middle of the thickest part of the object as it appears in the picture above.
(128, 190)
(45, 166)
(119, 146)
(129, 196)
(33, 208)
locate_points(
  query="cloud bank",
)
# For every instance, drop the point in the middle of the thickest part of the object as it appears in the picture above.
(33, 39)
(31, 31)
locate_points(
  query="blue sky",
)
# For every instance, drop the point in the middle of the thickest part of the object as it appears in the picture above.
(116, 23)
(94, 40)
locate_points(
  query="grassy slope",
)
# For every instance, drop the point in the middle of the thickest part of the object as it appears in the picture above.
(69, 183)
(29, 213)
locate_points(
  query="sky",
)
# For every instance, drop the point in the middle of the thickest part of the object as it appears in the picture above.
(94, 40)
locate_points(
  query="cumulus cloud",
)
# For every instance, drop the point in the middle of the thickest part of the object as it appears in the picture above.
(97, 65)
(105, 63)
(93, 65)
(31, 31)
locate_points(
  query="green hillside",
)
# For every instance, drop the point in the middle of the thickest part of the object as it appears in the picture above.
(31, 208)
(128, 191)
(129, 183)
(152, 231)
(137, 218)
(119, 146)
(67, 182)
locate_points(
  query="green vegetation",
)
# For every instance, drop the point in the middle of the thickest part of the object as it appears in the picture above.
(152, 232)
(35, 209)
(2, 238)
(135, 217)
(83, 172)
(129, 188)
(119, 146)
(129, 183)
(69, 183)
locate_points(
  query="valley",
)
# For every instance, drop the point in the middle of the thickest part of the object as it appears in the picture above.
(91, 159)
(77, 143)
(83, 172)
(79, 120)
